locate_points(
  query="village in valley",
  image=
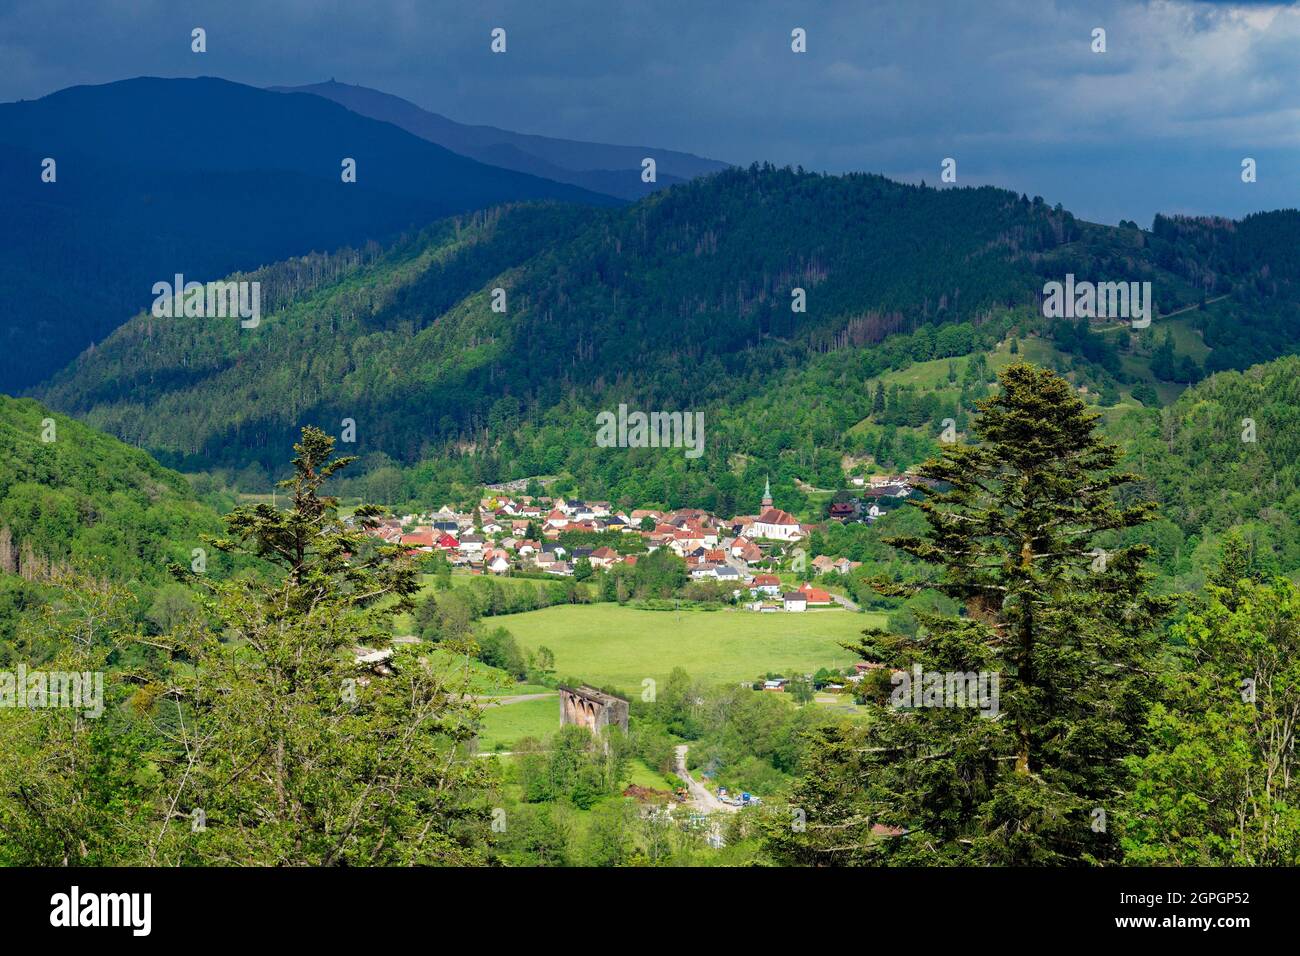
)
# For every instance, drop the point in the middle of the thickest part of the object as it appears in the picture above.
(604, 652)
(516, 533)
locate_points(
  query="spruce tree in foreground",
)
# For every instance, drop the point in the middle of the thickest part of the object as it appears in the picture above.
(287, 750)
(1066, 627)
(253, 735)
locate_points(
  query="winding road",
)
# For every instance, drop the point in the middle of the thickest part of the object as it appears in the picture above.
(701, 797)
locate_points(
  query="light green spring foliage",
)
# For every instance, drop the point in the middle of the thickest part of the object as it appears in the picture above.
(1220, 787)
(254, 736)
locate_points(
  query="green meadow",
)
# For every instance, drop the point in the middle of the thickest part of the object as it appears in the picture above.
(613, 646)
(504, 725)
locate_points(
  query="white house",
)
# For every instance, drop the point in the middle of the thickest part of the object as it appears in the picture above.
(775, 524)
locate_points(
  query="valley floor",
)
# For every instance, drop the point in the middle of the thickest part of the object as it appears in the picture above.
(609, 645)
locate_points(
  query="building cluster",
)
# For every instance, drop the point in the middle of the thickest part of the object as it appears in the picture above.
(513, 532)
(866, 505)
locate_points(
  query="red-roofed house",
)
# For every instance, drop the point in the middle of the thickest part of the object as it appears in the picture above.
(420, 540)
(815, 595)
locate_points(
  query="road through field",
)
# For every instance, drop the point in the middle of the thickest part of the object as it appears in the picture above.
(515, 699)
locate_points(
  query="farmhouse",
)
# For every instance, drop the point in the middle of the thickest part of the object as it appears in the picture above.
(823, 563)
(889, 488)
(745, 550)
(815, 596)
(419, 540)
(795, 601)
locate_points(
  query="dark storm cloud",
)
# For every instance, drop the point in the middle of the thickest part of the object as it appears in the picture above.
(1010, 88)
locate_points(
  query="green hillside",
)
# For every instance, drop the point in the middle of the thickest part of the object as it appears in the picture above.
(683, 298)
(1225, 454)
(682, 301)
(71, 497)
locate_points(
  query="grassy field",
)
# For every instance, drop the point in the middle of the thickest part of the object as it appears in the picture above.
(933, 374)
(504, 725)
(484, 680)
(613, 646)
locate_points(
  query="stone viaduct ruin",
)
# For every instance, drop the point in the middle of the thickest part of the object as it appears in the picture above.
(587, 707)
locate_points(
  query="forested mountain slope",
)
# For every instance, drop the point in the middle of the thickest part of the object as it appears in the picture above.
(684, 298)
(682, 301)
(1255, 263)
(1227, 453)
(82, 494)
(71, 497)
(201, 177)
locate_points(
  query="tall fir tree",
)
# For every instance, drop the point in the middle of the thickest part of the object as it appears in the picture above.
(1036, 775)
(296, 734)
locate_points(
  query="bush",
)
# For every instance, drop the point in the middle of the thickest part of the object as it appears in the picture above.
(499, 649)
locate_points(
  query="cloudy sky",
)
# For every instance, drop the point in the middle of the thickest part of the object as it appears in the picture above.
(1009, 88)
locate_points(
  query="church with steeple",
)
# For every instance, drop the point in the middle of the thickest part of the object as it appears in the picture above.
(772, 522)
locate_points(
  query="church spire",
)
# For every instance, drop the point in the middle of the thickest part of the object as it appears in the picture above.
(767, 493)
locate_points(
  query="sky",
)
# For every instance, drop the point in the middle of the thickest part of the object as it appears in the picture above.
(1010, 89)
